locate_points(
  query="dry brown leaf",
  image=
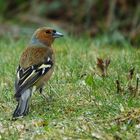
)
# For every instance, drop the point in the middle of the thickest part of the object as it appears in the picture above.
(102, 65)
(131, 73)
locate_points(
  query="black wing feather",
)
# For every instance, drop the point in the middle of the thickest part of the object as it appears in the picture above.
(29, 76)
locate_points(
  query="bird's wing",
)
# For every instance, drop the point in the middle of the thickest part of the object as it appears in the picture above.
(29, 76)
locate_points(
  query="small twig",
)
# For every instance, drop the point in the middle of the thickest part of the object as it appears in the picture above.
(137, 85)
(137, 82)
(118, 86)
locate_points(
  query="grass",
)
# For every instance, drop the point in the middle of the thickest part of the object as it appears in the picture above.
(82, 104)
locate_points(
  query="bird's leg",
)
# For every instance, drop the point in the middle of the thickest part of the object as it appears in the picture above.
(41, 90)
(43, 95)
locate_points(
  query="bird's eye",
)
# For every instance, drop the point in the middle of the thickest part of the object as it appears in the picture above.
(48, 32)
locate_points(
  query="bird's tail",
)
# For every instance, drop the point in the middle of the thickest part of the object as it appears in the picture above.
(22, 108)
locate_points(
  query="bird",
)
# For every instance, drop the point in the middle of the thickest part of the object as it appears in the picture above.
(35, 68)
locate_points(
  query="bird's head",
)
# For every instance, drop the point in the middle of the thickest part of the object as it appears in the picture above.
(45, 35)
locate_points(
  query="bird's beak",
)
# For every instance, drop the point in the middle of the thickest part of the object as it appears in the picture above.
(57, 35)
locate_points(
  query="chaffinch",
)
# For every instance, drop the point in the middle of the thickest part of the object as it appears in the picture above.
(35, 68)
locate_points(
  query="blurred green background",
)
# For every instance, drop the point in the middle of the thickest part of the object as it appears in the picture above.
(116, 20)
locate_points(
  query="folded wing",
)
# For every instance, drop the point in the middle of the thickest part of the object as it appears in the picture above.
(26, 78)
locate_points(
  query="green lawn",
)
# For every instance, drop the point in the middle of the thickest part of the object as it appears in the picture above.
(81, 103)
